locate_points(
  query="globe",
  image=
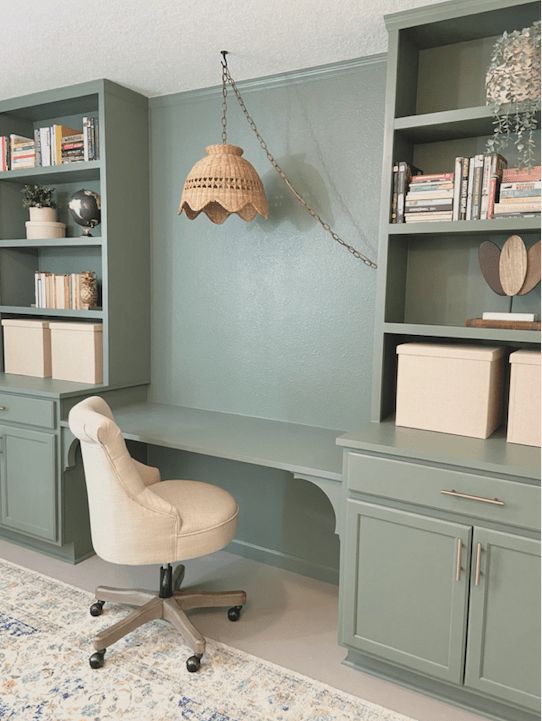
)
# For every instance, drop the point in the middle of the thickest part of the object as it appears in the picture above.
(85, 209)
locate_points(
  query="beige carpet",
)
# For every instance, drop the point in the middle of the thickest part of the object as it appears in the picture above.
(44, 649)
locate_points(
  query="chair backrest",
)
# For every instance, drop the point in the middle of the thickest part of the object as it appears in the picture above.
(127, 519)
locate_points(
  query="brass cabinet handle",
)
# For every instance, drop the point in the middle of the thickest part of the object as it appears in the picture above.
(469, 497)
(477, 570)
(458, 549)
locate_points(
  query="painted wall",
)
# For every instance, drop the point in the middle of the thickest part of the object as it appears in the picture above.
(270, 319)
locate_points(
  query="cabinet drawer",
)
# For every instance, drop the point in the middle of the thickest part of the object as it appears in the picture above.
(424, 485)
(30, 411)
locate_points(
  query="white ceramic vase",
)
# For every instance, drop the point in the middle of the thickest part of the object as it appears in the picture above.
(43, 215)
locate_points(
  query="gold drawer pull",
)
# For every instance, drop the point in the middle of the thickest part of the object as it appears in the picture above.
(477, 570)
(3, 408)
(469, 497)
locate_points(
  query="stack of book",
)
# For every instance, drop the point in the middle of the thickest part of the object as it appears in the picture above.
(52, 145)
(22, 152)
(478, 189)
(73, 148)
(59, 291)
(430, 198)
(519, 193)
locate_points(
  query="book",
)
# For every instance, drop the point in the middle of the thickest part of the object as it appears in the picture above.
(490, 315)
(432, 177)
(494, 164)
(45, 145)
(57, 133)
(5, 153)
(476, 198)
(410, 202)
(405, 174)
(511, 175)
(525, 207)
(429, 208)
(393, 212)
(424, 187)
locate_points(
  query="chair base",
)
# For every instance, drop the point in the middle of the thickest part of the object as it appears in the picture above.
(170, 604)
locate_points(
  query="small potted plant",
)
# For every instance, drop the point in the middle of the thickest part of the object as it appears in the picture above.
(42, 208)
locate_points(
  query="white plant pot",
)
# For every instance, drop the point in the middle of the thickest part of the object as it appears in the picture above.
(36, 230)
(43, 215)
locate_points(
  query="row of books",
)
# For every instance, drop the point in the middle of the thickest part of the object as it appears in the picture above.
(60, 291)
(51, 145)
(479, 188)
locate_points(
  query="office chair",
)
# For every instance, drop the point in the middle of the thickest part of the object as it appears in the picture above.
(136, 519)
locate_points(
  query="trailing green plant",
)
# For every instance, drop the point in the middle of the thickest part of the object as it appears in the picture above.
(513, 89)
(38, 196)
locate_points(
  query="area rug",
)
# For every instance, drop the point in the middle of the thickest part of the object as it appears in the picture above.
(45, 675)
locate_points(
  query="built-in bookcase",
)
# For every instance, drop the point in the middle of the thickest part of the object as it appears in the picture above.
(429, 277)
(118, 251)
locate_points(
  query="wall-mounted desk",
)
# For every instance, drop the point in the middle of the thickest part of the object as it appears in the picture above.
(308, 452)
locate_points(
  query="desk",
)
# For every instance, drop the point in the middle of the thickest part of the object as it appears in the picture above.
(308, 452)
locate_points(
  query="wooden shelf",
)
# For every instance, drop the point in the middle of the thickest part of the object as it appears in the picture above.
(448, 124)
(51, 312)
(452, 331)
(470, 227)
(80, 242)
(68, 173)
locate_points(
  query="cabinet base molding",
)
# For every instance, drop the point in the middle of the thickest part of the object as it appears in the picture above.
(437, 689)
(70, 552)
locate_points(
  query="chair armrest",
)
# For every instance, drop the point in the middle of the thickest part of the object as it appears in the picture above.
(149, 474)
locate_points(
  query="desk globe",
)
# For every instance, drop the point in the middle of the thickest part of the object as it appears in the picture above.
(85, 209)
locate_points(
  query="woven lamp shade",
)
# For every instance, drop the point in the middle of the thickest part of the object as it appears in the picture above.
(223, 183)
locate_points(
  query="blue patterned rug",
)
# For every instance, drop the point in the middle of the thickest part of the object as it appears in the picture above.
(45, 676)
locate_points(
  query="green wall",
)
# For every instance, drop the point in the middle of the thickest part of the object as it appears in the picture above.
(271, 319)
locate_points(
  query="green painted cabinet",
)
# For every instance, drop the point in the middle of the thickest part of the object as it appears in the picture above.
(28, 482)
(504, 640)
(406, 600)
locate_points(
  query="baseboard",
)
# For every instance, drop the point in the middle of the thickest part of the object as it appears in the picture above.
(284, 560)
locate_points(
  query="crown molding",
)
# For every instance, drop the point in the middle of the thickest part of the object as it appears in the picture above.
(271, 81)
(445, 11)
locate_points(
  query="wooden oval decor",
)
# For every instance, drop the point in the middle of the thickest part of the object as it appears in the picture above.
(532, 279)
(488, 256)
(513, 265)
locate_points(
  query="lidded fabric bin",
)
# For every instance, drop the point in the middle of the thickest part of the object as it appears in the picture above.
(524, 405)
(450, 388)
(77, 352)
(27, 347)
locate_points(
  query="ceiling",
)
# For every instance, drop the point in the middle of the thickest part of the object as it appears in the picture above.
(165, 46)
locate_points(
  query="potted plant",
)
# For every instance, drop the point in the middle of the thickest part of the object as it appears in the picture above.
(42, 208)
(39, 201)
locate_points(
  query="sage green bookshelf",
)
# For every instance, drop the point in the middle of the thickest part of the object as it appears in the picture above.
(429, 281)
(118, 252)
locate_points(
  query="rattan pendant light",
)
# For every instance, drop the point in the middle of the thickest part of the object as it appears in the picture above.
(223, 182)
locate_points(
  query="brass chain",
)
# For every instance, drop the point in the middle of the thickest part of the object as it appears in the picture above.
(227, 78)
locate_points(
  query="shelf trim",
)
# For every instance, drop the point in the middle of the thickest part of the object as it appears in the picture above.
(80, 242)
(495, 225)
(91, 167)
(60, 312)
(455, 331)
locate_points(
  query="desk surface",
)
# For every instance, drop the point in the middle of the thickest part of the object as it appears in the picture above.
(287, 446)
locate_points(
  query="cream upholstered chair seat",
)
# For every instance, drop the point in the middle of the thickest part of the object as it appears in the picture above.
(137, 519)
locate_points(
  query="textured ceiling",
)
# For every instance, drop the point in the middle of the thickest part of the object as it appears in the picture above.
(166, 46)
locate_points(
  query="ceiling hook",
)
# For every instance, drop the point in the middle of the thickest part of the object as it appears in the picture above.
(224, 59)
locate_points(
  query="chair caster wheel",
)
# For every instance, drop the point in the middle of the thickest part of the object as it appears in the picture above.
(193, 664)
(97, 659)
(97, 608)
(234, 613)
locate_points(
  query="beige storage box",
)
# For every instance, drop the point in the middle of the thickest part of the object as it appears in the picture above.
(450, 388)
(40, 230)
(27, 347)
(524, 406)
(77, 352)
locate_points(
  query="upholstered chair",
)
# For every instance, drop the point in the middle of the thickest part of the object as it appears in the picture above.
(137, 519)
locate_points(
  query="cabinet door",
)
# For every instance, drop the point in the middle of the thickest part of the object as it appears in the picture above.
(28, 497)
(503, 651)
(405, 583)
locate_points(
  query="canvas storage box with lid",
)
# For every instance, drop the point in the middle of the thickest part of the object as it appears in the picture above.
(450, 388)
(77, 352)
(524, 405)
(27, 347)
